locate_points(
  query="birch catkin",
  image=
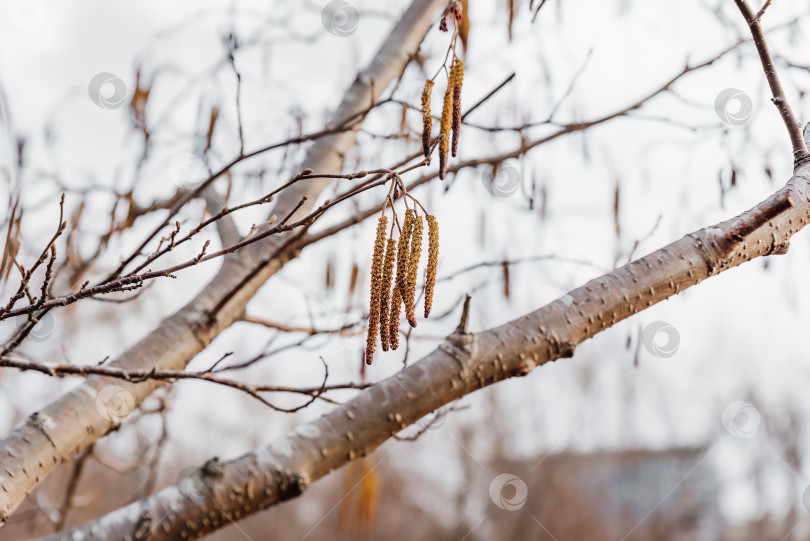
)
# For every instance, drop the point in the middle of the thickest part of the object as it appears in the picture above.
(446, 124)
(403, 253)
(393, 319)
(409, 294)
(401, 279)
(458, 77)
(376, 283)
(385, 289)
(427, 120)
(433, 262)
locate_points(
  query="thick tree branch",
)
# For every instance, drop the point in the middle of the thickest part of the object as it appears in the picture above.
(75, 421)
(461, 365)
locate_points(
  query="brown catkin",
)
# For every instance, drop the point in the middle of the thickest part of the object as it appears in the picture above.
(402, 252)
(433, 262)
(385, 290)
(393, 319)
(401, 279)
(446, 124)
(458, 77)
(409, 295)
(376, 277)
(427, 120)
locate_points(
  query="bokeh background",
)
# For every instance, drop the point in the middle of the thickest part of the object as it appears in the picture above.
(687, 421)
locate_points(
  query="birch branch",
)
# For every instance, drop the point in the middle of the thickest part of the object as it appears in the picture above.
(462, 364)
(78, 419)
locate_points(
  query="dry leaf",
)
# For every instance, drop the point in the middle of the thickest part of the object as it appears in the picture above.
(353, 279)
(616, 201)
(137, 106)
(510, 5)
(12, 239)
(329, 278)
(361, 494)
(212, 122)
(506, 289)
(464, 26)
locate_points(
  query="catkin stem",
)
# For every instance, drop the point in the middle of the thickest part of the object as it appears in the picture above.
(433, 262)
(376, 282)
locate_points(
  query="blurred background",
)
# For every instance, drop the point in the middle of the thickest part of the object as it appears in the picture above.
(687, 421)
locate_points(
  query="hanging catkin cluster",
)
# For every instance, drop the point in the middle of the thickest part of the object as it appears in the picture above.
(390, 290)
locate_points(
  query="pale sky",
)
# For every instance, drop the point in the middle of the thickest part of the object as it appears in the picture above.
(740, 334)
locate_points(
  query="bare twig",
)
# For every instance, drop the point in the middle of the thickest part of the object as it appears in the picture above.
(778, 98)
(138, 376)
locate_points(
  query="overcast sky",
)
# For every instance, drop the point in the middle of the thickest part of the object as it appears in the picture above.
(739, 334)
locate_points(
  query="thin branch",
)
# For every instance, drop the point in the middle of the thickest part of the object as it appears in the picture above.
(778, 98)
(491, 93)
(139, 376)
